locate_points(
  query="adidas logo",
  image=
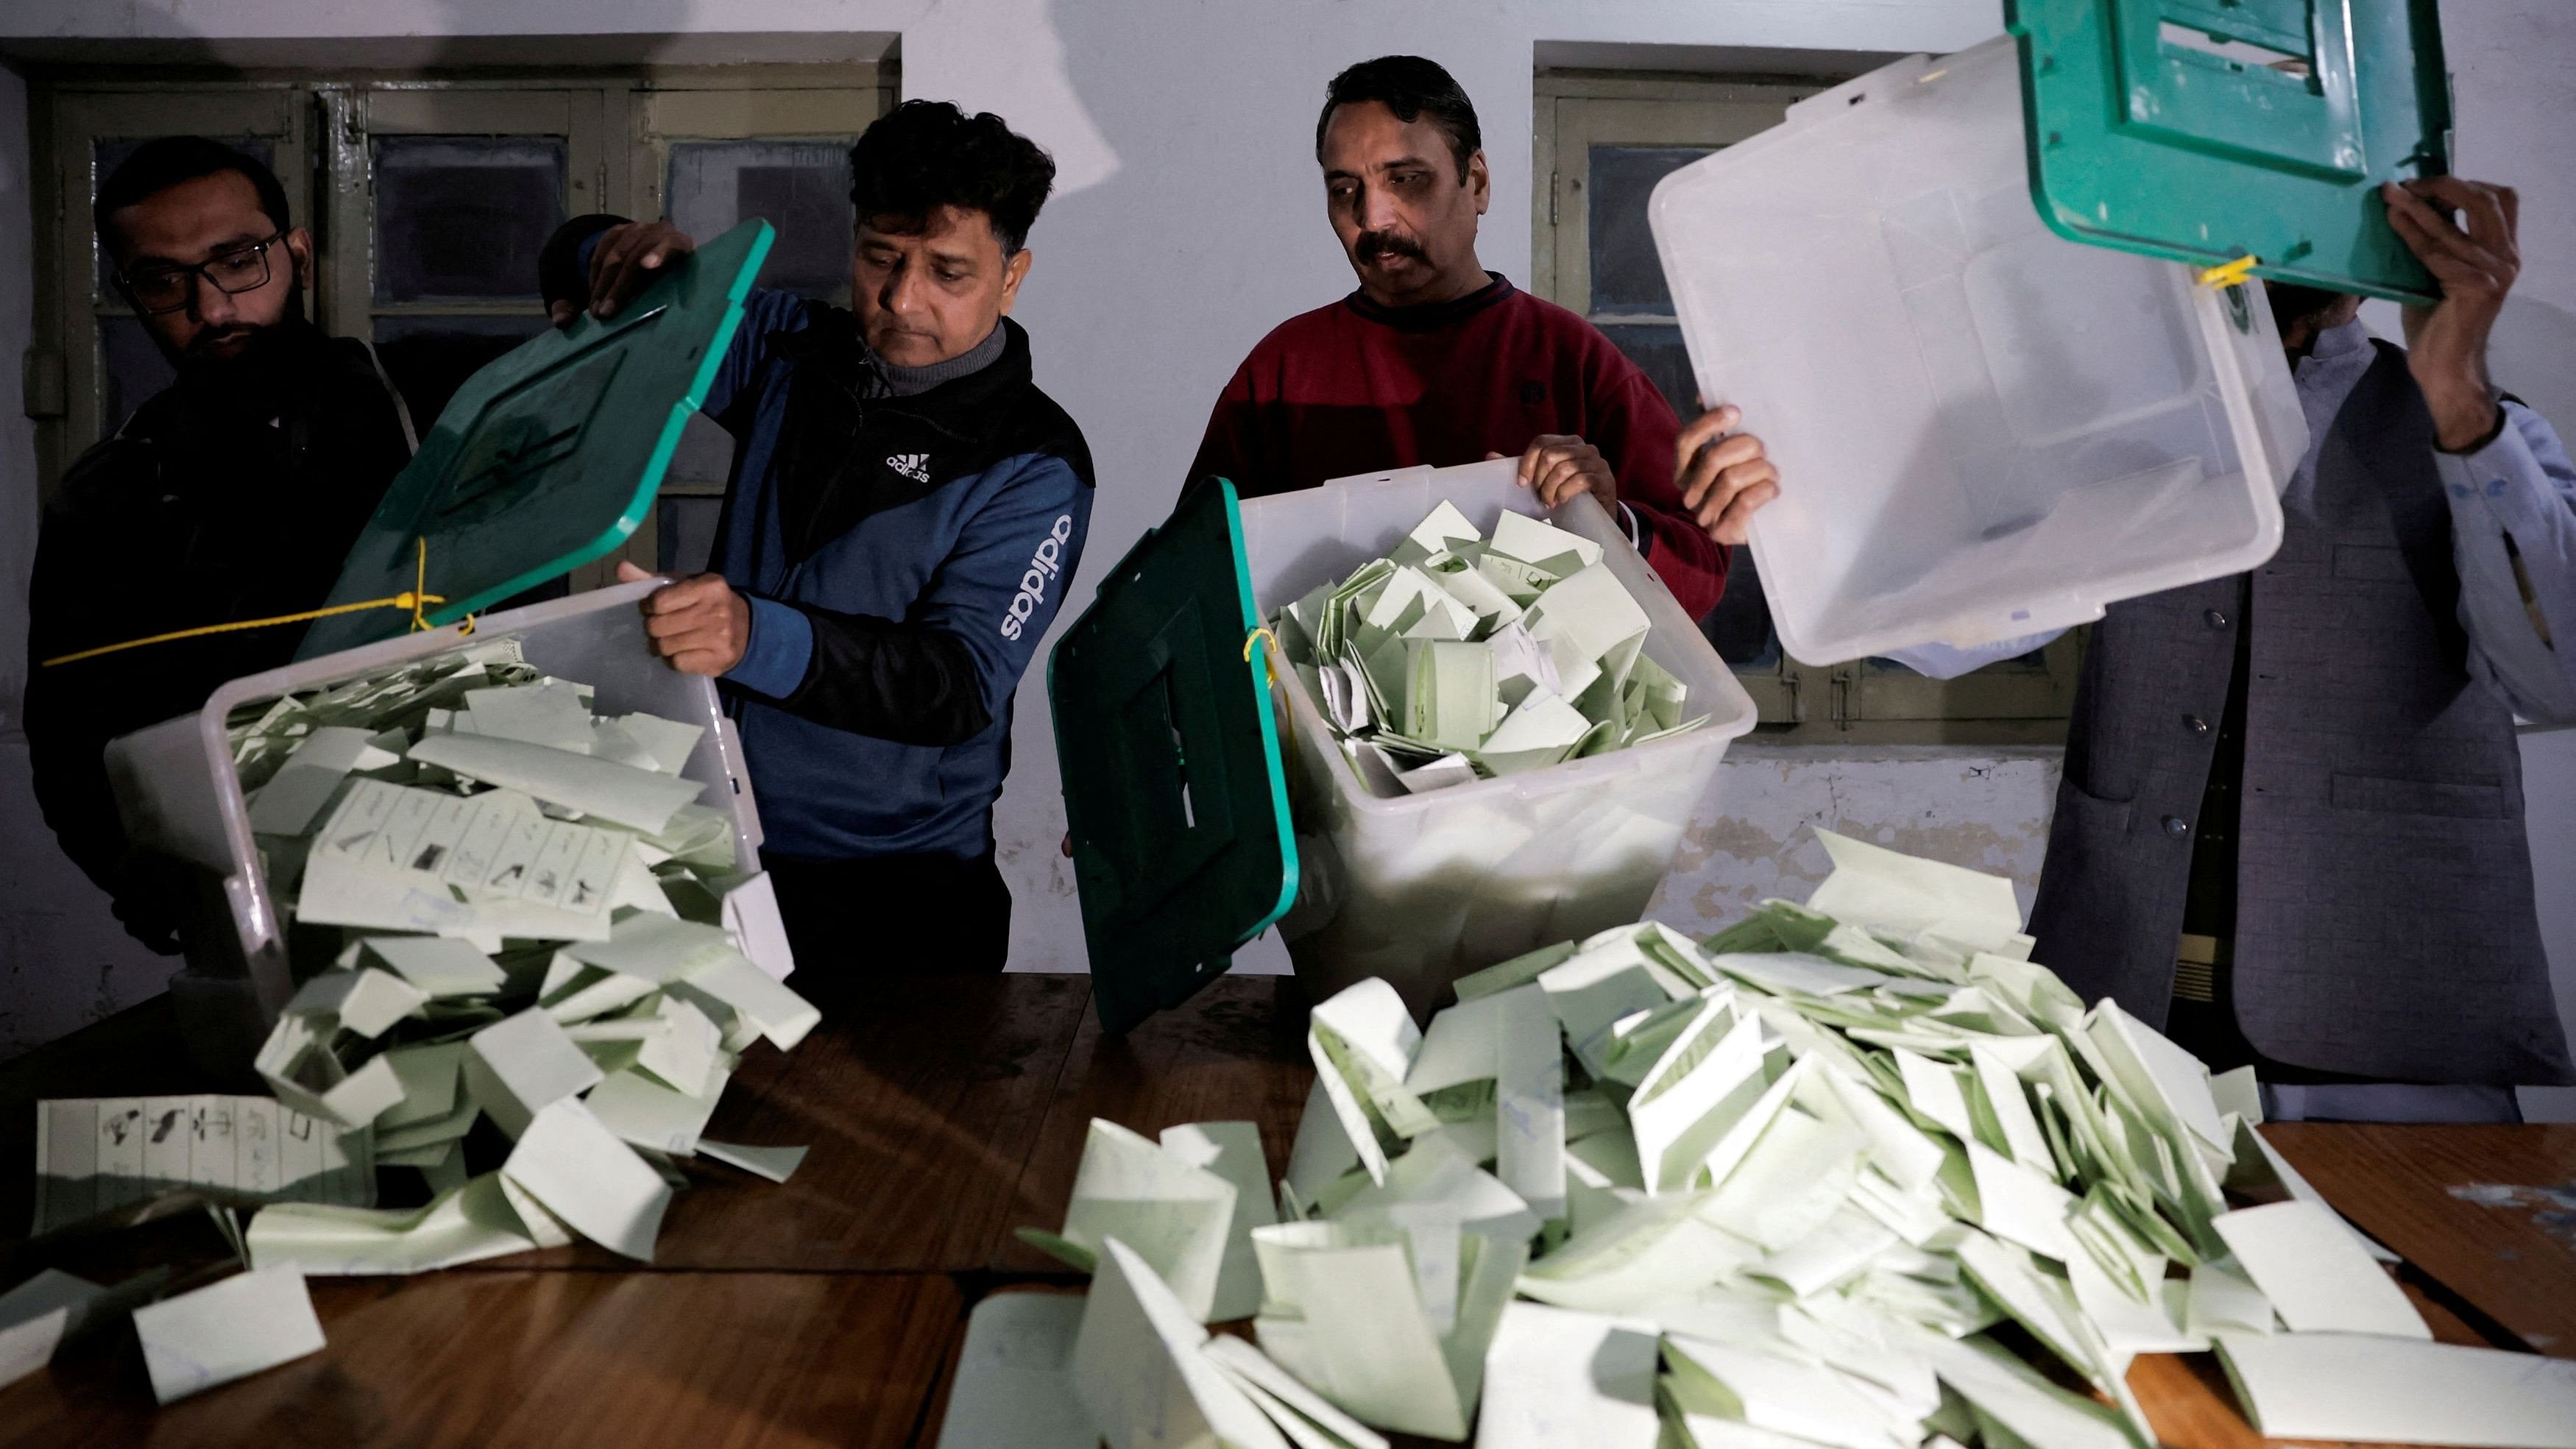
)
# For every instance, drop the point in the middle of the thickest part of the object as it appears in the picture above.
(915, 466)
(1045, 564)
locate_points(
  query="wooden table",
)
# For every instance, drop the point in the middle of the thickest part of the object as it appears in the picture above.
(940, 1116)
(2485, 1217)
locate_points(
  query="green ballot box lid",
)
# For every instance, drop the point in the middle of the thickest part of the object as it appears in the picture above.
(548, 458)
(2209, 131)
(1173, 789)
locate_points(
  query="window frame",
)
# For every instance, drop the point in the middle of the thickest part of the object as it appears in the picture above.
(70, 302)
(1849, 703)
(617, 124)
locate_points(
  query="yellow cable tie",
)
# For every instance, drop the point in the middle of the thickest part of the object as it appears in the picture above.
(420, 585)
(1269, 668)
(412, 600)
(2228, 274)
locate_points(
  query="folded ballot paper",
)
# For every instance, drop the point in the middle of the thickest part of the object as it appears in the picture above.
(1460, 658)
(1776, 1188)
(519, 914)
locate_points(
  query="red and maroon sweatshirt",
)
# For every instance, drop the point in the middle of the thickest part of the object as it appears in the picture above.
(1359, 388)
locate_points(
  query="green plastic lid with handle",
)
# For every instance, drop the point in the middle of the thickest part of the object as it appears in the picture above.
(548, 458)
(2212, 131)
(1174, 793)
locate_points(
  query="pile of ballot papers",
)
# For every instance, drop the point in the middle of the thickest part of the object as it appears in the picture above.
(541, 927)
(1459, 658)
(1856, 1173)
(506, 909)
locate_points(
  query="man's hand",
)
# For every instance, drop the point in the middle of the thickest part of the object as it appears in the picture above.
(2446, 343)
(624, 261)
(700, 624)
(1560, 465)
(1723, 477)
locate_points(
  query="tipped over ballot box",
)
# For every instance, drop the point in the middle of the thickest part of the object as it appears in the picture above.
(544, 461)
(1984, 429)
(1215, 784)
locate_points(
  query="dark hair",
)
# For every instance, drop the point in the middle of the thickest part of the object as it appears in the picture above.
(157, 165)
(2294, 303)
(923, 155)
(1412, 88)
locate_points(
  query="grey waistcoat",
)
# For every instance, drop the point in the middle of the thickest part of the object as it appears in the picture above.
(2385, 924)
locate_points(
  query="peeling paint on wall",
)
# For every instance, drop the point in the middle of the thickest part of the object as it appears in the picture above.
(1973, 808)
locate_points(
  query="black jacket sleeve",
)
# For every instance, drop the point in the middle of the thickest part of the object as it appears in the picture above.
(914, 684)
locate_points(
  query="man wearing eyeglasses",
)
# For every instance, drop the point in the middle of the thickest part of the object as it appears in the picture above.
(235, 493)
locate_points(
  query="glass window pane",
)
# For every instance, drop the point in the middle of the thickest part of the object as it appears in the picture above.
(109, 152)
(1626, 277)
(462, 218)
(1657, 347)
(133, 367)
(686, 536)
(429, 358)
(800, 187)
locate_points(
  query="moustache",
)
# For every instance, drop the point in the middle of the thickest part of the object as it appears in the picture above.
(1375, 244)
(203, 345)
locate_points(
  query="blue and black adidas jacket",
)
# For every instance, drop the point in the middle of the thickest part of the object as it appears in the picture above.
(903, 557)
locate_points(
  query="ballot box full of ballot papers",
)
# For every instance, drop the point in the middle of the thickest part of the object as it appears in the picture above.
(1421, 888)
(547, 459)
(181, 796)
(1984, 430)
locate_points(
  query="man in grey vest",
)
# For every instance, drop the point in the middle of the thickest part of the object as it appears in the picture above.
(2291, 826)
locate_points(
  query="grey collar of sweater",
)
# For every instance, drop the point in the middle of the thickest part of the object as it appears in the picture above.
(902, 381)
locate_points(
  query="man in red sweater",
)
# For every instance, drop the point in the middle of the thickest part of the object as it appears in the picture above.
(1436, 360)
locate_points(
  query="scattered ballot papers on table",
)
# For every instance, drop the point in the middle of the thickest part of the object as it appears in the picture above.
(1775, 1188)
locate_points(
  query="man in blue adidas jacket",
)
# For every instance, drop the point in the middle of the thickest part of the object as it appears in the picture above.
(905, 513)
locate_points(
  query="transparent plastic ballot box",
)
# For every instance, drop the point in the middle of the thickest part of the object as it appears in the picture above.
(1208, 799)
(178, 794)
(543, 461)
(1421, 889)
(1983, 430)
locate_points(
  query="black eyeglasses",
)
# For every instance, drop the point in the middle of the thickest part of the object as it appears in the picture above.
(157, 290)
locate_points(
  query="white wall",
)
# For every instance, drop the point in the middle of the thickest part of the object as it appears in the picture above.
(1187, 224)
